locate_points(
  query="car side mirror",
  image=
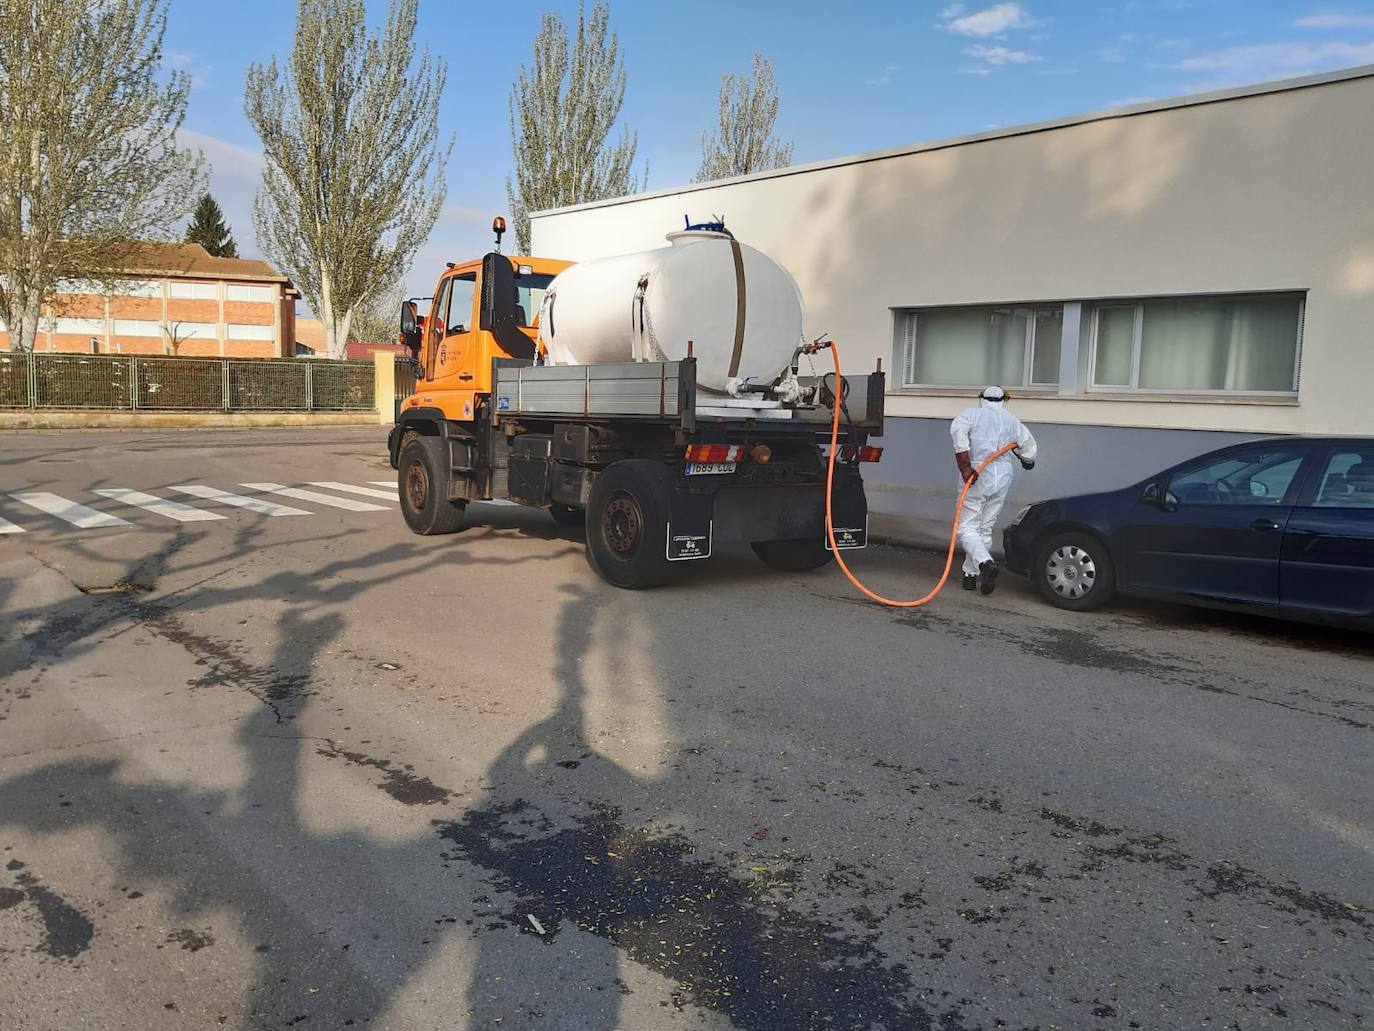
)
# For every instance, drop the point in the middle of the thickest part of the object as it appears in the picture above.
(410, 327)
(1157, 496)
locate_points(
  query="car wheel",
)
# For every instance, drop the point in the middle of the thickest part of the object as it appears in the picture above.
(793, 556)
(1074, 571)
(627, 524)
(422, 482)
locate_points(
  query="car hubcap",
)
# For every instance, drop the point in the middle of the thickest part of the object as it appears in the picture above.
(622, 523)
(1070, 572)
(417, 486)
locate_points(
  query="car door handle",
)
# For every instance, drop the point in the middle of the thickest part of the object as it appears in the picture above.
(1264, 525)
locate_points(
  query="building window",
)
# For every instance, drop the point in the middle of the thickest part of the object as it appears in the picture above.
(183, 291)
(191, 330)
(248, 293)
(79, 286)
(233, 332)
(1230, 343)
(136, 328)
(86, 327)
(971, 347)
(136, 288)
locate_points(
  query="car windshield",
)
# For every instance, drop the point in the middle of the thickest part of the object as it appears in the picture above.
(529, 295)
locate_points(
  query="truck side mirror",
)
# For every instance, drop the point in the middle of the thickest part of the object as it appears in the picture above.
(497, 314)
(410, 327)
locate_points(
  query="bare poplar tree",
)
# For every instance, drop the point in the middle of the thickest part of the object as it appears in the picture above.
(745, 142)
(378, 320)
(354, 171)
(89, 165)
(562, 111)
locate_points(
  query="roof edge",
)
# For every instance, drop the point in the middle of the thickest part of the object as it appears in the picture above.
(1104, 114)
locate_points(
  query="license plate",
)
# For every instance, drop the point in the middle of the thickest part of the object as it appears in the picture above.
(708, 468)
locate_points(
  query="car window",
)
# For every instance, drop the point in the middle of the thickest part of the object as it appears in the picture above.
(1240, 478)
(1347, 480)
(460, 302)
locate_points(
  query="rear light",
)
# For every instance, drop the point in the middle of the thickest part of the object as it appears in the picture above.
(761, 454)
(713, 452)
(851, 453)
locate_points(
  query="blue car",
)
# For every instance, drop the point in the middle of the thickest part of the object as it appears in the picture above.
(1283, 526)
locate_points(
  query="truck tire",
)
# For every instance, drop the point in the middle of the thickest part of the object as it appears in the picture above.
(566, 515)
(794, 556)
(422, 484)
(627, 524)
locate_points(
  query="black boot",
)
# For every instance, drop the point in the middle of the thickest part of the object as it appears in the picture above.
(970, 582)
(988, 571)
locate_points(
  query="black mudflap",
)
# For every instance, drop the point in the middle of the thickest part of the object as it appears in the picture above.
(849, 513)
(689, 527)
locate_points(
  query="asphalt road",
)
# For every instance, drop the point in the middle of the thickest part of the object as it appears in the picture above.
(311, 771)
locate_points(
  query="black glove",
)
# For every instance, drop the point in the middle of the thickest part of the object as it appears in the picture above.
(1026, 463)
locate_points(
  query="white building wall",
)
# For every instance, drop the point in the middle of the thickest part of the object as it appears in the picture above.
(1267, 189)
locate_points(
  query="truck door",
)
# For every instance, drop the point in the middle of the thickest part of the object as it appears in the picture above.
(456, 352)
(434, 332)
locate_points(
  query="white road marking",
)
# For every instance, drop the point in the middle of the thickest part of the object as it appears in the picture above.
(383, 483)
(69, 511)
(315, 496)
(348, 488)
(159, 506)
(224, 497)
(8, 527)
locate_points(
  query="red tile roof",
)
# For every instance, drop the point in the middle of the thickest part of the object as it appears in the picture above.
(194, 262)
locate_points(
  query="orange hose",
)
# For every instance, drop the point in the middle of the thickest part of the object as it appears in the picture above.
(829, 488)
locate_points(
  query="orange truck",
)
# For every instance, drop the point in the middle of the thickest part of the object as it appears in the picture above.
(663, 452)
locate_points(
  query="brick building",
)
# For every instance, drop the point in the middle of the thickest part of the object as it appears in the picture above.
(175, 298)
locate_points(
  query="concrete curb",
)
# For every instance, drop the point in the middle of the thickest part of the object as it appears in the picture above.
(82, 420)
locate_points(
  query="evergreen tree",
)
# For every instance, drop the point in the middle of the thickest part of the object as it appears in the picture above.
(207, 228)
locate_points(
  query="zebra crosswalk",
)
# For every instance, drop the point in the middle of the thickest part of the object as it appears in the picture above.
(126, 507)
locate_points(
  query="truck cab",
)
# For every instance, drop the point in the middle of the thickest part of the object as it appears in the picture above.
(481, 310)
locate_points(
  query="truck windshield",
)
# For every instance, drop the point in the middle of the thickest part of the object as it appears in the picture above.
(529, 295)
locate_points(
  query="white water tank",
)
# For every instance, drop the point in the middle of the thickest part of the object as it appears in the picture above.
(647, 306)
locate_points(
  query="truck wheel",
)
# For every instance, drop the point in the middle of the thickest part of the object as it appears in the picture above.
(422, 483)
(627, 524)
(1074, 571)
(566, 515)
(794, 556)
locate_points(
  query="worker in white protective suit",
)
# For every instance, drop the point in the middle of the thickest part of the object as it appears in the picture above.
(978, 432)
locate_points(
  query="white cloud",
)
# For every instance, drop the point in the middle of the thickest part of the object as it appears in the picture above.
(883, 77)
(977, 69)
(1111, 54)
(1257, 63)
(990, 21)
(182, 61)
(1335, 20)
(997, 56)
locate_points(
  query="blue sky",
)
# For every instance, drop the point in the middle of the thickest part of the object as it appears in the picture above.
(852, 76)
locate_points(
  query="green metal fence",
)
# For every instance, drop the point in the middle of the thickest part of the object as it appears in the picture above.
(154, 383)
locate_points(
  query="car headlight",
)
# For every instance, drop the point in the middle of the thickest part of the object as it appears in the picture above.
(1016, 519)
